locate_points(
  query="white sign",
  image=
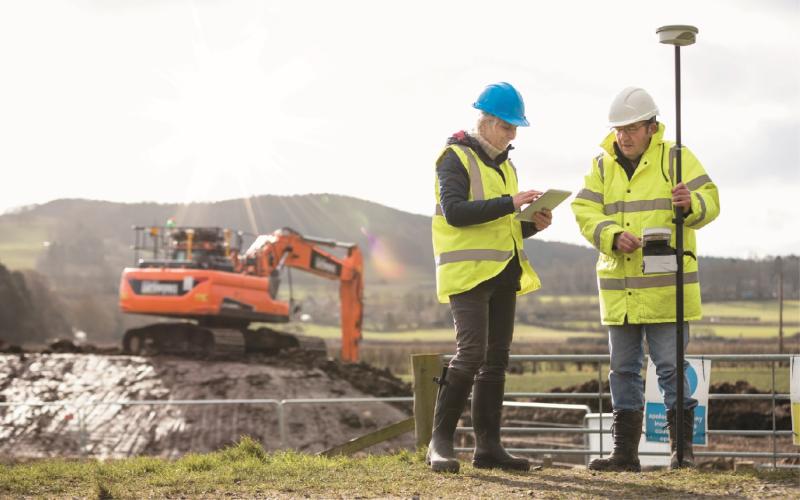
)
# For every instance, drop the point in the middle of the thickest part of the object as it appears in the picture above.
(655, 412)
(794, 396)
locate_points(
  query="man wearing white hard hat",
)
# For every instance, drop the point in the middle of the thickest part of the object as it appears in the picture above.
(626, 211)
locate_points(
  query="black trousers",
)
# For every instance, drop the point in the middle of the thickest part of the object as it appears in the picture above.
(484, 323)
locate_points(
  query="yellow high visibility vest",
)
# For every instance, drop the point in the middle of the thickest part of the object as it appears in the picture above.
(609, 203)
(467, 256)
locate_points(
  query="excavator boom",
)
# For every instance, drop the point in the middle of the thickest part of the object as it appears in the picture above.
(287, 248)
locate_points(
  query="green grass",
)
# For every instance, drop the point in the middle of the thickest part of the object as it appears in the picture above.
(246, 470)
(765, 310)
(546, 380)
(522, 333)
(525, 333)
(566, 299)
(21, 244)
(758, 377)
(743, 331)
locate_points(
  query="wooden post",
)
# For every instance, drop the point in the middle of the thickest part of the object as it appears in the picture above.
(373, 438)
(425, 367)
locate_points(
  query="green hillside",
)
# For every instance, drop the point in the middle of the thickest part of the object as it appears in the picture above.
(397, 245)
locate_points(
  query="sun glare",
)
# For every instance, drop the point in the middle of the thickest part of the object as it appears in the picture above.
(226, 115)
(383, 258)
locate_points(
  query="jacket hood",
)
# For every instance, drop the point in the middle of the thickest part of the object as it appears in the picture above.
(655, 141)
(461, 137)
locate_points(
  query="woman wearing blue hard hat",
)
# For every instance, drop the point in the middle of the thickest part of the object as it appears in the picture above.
(481, 267)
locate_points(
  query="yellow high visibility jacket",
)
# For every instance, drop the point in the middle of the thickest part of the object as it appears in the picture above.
(609, 203)
(467, 256)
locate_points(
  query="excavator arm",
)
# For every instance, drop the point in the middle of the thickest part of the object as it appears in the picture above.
(269, 254)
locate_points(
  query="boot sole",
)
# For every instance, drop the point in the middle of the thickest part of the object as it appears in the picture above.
(445, 467)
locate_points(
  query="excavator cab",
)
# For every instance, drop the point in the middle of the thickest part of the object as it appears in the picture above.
(188, 247)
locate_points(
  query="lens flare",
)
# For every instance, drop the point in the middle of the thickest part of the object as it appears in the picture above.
(382, 257)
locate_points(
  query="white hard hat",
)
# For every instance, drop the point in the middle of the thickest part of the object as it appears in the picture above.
(631, 105)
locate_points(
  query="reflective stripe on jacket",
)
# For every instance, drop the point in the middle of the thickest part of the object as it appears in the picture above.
(609, 203)
(467, 256)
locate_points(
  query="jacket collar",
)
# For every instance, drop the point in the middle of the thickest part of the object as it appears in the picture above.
(466, 139)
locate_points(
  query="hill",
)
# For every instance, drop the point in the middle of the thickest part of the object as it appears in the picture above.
(79, 247)
(396, 244)
(70, 237)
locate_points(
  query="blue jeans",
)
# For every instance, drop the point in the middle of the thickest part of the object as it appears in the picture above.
(626, 345)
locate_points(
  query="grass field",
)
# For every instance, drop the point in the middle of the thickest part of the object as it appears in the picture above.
(546, 380)
(20, 245)
(764, 310)
(526, 333)
(743, 331)
(245, 470)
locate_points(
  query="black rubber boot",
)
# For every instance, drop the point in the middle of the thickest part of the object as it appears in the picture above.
(688, 432)
(627, 431)
(487, 408)
(452, 398)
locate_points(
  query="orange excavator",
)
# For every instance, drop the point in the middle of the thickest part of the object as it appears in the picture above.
(223, 298)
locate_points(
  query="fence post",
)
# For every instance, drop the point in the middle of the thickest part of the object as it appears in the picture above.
(82, 431)
(282, 423)
(425, 367)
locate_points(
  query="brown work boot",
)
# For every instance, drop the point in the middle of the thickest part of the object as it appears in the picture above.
(627, 431)
(487, 408)
(688, 432)
(453, 394)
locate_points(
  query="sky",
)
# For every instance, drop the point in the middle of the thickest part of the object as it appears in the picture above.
(181, 101)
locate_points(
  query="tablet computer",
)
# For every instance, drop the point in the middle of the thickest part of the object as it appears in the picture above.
(550, 200)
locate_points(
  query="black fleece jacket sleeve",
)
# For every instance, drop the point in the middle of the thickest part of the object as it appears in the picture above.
(454, 194)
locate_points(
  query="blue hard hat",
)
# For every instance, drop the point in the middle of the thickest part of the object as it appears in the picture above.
(503, 101)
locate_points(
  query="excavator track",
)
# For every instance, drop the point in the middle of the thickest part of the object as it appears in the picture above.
(269, 341)
(189, 339)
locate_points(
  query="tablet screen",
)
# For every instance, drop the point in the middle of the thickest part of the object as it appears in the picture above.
(550, 200)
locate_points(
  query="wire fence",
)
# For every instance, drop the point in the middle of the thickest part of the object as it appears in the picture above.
(603, 359)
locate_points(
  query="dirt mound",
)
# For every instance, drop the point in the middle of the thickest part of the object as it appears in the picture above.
(722, 414)
(748, 415)
(378, 382)
(95, 424)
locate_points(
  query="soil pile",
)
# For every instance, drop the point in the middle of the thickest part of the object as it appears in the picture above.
(722, 414)
(96, 425)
